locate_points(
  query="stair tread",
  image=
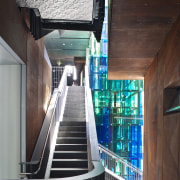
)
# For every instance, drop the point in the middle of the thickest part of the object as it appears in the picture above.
(70, 151)
(72, 126)
(78, 119)
(74, 119)
(75, 123)
(66, 114)
(74, 103)
(73, 116)
(68, 169)
(72, 144)
(72, 131)
(69, 160)
(71, 137)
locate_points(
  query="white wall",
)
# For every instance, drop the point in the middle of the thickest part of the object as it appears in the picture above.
(10, 107)
(61, 9)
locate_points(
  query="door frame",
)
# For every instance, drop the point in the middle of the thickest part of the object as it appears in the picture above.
(23, 100)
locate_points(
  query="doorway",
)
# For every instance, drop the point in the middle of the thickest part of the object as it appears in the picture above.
(12, 112)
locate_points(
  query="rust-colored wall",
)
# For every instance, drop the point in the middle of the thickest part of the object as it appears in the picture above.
(136, 33)
(162, 132)
(16, 33)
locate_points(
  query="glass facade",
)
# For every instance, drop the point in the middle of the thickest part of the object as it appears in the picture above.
(118, 105)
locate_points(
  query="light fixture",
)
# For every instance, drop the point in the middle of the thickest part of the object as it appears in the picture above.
(59, 63)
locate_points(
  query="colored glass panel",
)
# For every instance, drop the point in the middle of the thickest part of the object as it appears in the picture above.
(118, 106)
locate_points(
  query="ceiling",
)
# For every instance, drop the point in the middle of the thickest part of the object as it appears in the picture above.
(64, 45)
(137, 31)
(80, 10)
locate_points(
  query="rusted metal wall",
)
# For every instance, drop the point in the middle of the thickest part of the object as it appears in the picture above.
(162, 132)
(137, 31)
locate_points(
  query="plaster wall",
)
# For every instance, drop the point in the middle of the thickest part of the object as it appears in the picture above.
(62, 9)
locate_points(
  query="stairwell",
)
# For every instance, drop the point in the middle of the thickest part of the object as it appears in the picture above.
(70, 157)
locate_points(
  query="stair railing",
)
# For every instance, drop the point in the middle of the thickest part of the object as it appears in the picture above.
(116, 165)
(109, 175)
(37, 166)
(93, 143)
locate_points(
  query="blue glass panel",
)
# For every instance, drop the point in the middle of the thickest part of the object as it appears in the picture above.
(118, 106)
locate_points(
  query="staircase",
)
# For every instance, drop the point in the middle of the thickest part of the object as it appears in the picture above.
(70, 156)
(61, 150)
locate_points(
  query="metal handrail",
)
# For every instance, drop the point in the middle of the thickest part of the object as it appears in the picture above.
(115, 156)
(57, 94)
(113, 175)
(44, 147)
(91, 119)
(118, 165)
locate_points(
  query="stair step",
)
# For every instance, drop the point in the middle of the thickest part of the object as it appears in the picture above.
(69, 163)
(72, 123)
(74, 92)
(77, 108)
(72, 108)
(71, 134)
(66, 172)
(77, 102)
(76, 88)
(75, 116)
(71, 147)
(74, 111)
(74, 119)
(74, 104)
(76, 97)
(67, 132)
(72, 128)
(71, 140)
(70, 155)
(70, 116)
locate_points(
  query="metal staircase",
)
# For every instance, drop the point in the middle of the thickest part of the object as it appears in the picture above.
(67, 146)
(70, 155)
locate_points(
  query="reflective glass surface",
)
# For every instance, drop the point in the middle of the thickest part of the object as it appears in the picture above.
(118, 105)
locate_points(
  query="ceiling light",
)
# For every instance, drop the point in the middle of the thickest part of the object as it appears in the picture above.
(58, 62)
